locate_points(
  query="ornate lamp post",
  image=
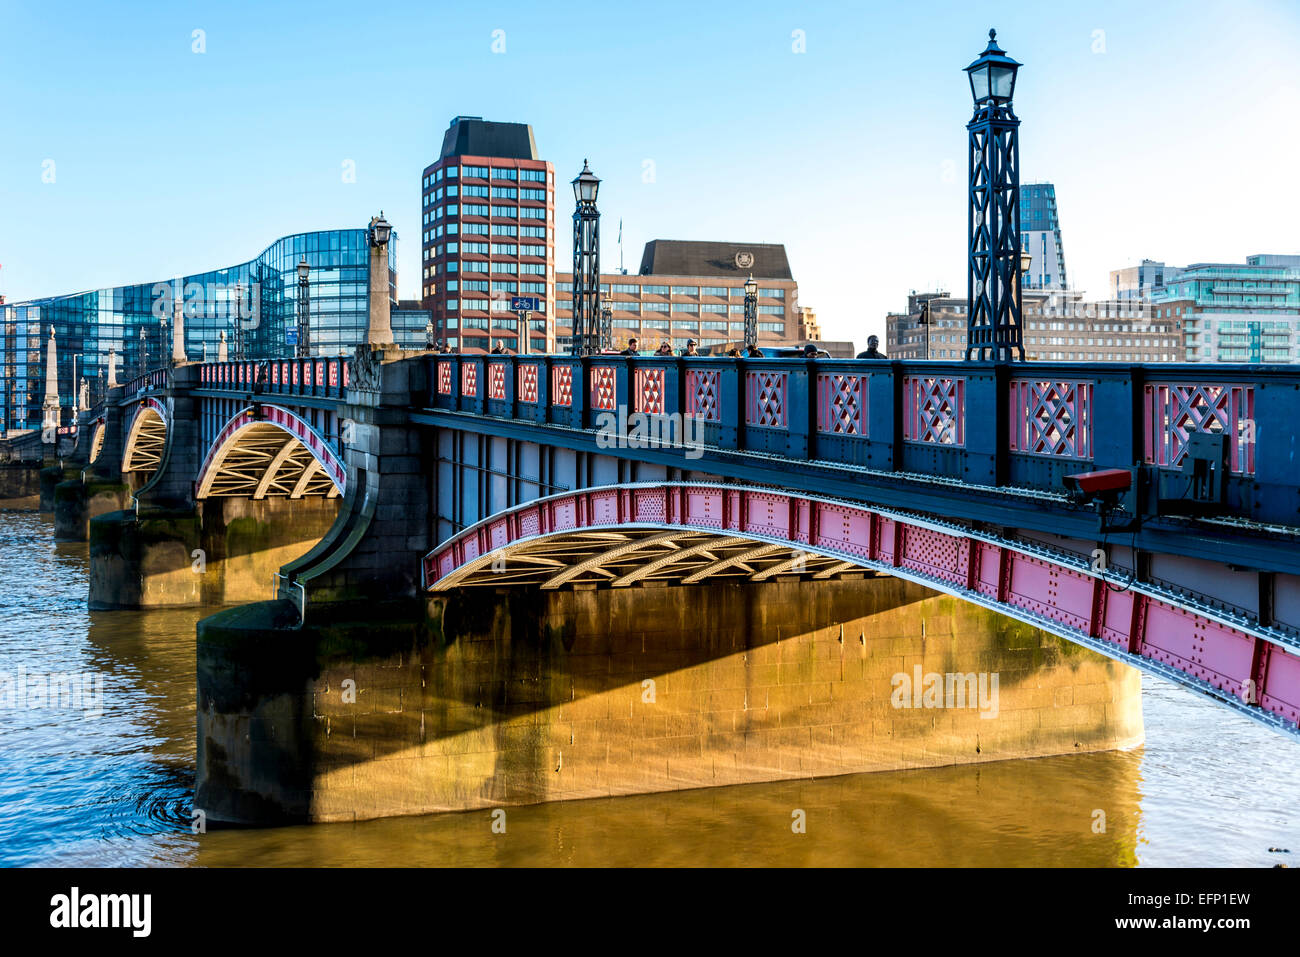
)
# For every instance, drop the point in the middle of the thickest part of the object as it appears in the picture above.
(993, 329)
(304, 309)
(239, 323)
(430, 335)
(606, 328)
(379, 331)
(751, 312)
(586, 264)
(144, 352)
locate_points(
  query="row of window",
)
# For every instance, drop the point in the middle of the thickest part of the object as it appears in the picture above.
(720, 291)
(501, 304)
(484, 172)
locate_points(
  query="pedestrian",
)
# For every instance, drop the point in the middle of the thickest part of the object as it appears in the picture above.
(631, 349)
(872, 351)
(499, 350)
(690, 349)
(734, 352)
(665, 348)
(754, 352)
(810, 351)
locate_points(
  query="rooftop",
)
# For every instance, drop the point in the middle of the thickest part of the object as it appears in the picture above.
(676, 257)
(475, 136)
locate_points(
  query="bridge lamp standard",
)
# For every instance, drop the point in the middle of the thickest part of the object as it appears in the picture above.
(993, 301)
(586, 265)
(304, 309)
(751, 312)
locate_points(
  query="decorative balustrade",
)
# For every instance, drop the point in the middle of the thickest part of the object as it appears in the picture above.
(322, 377)
(980, 423)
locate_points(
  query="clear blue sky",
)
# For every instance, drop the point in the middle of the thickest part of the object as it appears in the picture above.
(1171, 135)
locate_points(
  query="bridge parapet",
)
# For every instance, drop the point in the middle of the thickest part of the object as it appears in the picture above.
(326, 377)
(1023, 425)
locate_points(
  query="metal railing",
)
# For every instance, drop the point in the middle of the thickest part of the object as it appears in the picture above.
(1022, 425)
(319, 377)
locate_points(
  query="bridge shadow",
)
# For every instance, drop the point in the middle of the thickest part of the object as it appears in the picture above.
(527, 696)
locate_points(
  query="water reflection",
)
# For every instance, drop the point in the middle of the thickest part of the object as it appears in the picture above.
(1208, 787)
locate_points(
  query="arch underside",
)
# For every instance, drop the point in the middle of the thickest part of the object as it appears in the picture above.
(146, 440)
(97, 442)
(680, 534)
(262, 460)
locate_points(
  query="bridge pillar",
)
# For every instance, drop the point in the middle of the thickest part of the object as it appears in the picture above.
(383, 528)
(20, 483)
(483, 698)
(172, 485)
(87, 493)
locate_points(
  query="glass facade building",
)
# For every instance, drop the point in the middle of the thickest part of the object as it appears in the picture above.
(261, 295)
(1040, 235)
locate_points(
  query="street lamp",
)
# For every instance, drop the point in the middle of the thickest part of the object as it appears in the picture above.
(239, 325)
(304, 309)
(751, 312)
(993, 301)
(586, 265)
(430, 332)
(380, 230)
(144, 352)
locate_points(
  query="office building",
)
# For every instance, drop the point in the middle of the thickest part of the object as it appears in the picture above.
(262, 293)
(488, 231)
(1058, 326)
(693, 290)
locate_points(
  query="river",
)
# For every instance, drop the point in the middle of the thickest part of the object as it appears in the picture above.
(114, 789)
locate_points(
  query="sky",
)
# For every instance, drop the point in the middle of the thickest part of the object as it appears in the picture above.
(136, 149)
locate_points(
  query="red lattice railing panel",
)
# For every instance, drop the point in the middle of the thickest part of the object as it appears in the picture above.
(1174, 410)
(934, 410)
(842, 404)
(1051, 418)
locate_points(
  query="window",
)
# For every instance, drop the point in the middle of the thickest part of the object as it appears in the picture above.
(475, 209)
(655, 306)
(475, 228)
(534, 250)
(533, 269)
(500, 173)
(480, 191)
(656, 290)
(538, 287)
(686, 290)
(772, 310)
(479, 171)
(451, 191)
(715, 291)
(772, 327)
(533, 232)
(452, 172)
(504, 229)
(505, 192)
(476, 248)
(532, 212)
(533, 175)
(507, 211)
(505, 249)
(534, 194)
(475, 285)
(772, 293)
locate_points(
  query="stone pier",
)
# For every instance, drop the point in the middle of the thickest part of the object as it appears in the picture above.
(492, 699)
(224, 550)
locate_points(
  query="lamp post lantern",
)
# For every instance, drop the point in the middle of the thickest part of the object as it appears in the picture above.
(304, 309)
(239, 325)
(144, 351)
(751, 312)
(993, 303)
(586, 265)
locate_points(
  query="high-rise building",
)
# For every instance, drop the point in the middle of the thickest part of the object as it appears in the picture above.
(261, 294)
(1040, 235)
(693, 290)
(488, 235)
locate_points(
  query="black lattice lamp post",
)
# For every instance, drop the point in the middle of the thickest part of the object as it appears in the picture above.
(304, 308)
(751, 313)
(993, 221)
(586, 264)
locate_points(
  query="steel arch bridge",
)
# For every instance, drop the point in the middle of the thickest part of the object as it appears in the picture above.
(691, 533)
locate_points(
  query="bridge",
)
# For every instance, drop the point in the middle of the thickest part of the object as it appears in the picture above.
(544, 514)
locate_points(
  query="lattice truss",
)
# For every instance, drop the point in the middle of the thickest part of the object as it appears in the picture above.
(624, 558)
(144, 446)
(97, 443)
(263, 460)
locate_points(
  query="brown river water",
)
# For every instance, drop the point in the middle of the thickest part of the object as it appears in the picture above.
(1209, 787)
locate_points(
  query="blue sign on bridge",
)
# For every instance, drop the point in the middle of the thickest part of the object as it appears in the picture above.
(525, 304)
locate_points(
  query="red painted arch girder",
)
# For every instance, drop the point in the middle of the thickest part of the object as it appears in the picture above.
(1059, 593)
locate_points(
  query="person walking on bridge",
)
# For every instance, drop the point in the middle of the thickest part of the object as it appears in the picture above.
(872, 352)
